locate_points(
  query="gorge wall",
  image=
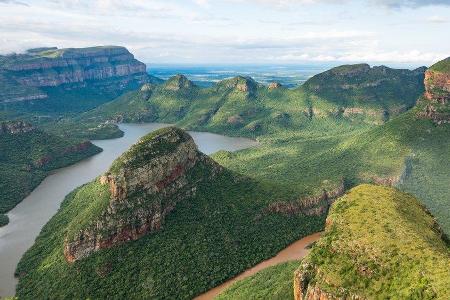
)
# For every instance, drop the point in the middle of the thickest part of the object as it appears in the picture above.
(22, 76)
(437, 93)
(143, 187)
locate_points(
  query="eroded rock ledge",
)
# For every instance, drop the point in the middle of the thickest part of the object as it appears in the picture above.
(144, 185)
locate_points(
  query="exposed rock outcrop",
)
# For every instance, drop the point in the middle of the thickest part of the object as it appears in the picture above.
(72, 68)
(437, 93)
(239, 83)
(15, 127)
(144, 185)
(274, 85)
(311, 206)
(178, 82)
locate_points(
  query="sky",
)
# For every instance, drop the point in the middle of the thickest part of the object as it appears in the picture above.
(413, 32)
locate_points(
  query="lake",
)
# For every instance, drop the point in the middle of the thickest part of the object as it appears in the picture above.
(29, 216)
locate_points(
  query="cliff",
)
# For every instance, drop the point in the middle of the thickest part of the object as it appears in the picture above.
(71, 68)
(28, 154)
(437, 93)
(378, 243)
(137, 193)
(356, 91)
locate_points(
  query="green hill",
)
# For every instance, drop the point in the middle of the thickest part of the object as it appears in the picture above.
(172, 235)
(378, 243)
(27, 155)
(241, 106)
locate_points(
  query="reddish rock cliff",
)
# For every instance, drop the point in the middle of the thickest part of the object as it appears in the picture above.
(144, 184)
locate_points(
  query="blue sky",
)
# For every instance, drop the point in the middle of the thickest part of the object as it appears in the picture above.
(413, 32)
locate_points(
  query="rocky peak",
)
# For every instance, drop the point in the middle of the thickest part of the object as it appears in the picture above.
(437, 92)
(178, 82)
(240, 83)
(144, 185)
(437, 82)
(15, 127)
(274, 85)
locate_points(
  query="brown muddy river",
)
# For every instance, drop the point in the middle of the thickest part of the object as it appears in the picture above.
(294, 251)
(27, 218)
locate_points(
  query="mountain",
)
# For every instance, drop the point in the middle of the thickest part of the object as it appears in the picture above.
(378, 92)
(165, 222)
(437, 95)
(241, 106)
(143, 186)
(378, 243)
(262, 199)
(27, 155)
(62, 80)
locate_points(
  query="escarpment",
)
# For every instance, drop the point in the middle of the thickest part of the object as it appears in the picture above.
(25, 76)
(437, 93)
(360, 91)
(312, 205)
(378, 243)
(141, 188)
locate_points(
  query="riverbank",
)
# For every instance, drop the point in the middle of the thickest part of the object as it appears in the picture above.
(30, 215)
(295, 251)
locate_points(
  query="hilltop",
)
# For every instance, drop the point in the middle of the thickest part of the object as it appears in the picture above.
(378, 242)
(241, 106)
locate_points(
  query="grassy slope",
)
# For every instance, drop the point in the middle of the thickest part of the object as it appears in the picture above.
(403, 256)
(19, 173)
(227, 108)
(303, 163)
(273, 283)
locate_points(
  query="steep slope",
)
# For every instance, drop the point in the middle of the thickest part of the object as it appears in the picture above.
(143, 187)
(378, 243)
(241, 106)
(165, 222)
(28, 154)
(63, 80)
(437, 95)
(357, 91)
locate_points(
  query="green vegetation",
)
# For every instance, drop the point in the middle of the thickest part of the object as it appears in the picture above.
(27, 158)
(380, 243)
(216, 235)
(273, 283)
(442, 66)
(309, 140)
(240, 106)
(4, 220)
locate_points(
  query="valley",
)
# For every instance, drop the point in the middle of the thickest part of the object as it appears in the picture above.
(165, 220)
(30, 215)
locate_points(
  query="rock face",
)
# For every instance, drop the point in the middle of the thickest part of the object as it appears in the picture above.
(70, 68)
(437, 93)
(178, 82)
(144, 185)
(274, 85)
(364, 92)
(15, 127)
(375, 236)
(310, 206)
(240, 84)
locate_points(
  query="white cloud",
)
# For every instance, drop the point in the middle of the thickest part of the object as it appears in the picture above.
(437, 19)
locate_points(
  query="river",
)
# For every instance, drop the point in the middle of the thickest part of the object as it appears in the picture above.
(29, 216)
(294, 251)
